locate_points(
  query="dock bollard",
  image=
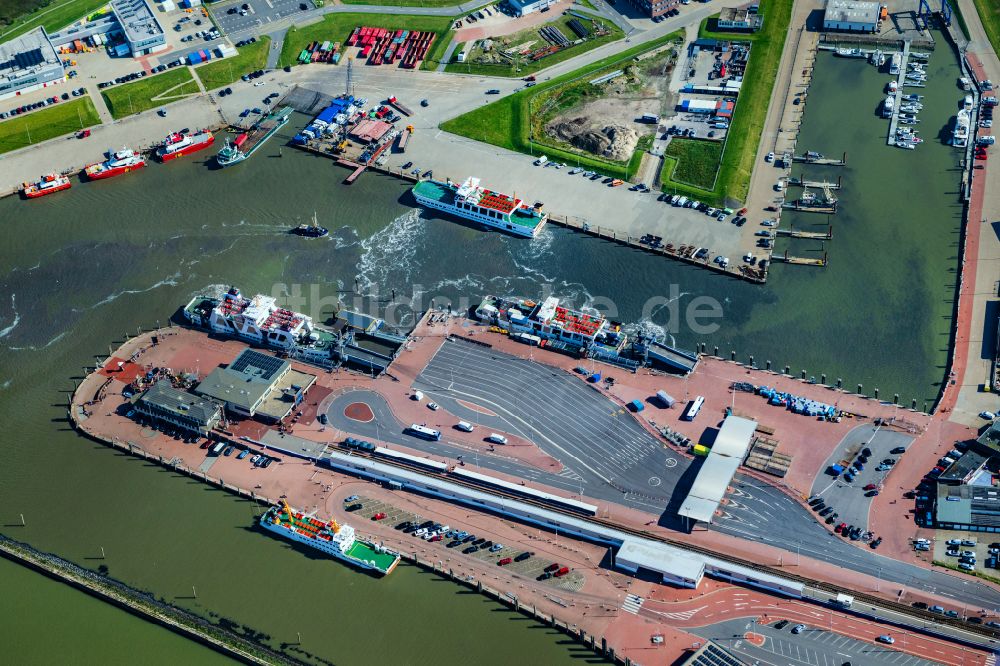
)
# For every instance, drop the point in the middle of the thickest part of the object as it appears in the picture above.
(751, 360)
(876, 393)
(913, 404)
(840, 382)
(803, 374)
(895, 398)
(859, 389)
(716, 353)
(768, 364)
(822, 379)
(732, 355)
(788, 370)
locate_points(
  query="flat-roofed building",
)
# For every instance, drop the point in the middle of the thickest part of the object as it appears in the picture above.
(369, 131)
(740, 18)
(143, 33)
(851, 16)
(166, 405)
(969, 508)
(716, 473)
(27, 63)
(257, 385)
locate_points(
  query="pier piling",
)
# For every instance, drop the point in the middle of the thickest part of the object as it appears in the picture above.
(895, 398)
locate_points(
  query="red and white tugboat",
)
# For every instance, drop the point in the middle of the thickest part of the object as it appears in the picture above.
(48, 184)
(178, 144)
(118, 162)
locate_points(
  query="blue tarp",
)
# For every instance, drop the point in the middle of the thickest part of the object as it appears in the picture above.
(594, 378)
(636, 406)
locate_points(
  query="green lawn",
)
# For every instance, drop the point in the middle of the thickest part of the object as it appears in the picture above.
(527, 67)
(505, 123)
(47, 123)
(150, 92)
(733, 181)
(218, 73)
(989, 13)
(338, 27)
(696, 160)
(53, 16)
(408, 3)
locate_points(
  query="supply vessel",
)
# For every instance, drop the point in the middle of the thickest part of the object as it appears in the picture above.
(118, 162)
(179, 144)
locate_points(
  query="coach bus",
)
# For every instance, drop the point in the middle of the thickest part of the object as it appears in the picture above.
(423, 432)
(693, 408)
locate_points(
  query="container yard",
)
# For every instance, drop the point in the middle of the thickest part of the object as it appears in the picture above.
(385, 47)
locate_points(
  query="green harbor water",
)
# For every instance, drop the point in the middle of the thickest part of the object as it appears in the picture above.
(83, 267)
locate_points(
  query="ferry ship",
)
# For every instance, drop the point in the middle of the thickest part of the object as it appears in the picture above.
(361, 341)
(332, 538)
(472, 202)
(960, 135)
(118, 162)
(48, 184)
(177, 145)
(248, 142)
(553, 323)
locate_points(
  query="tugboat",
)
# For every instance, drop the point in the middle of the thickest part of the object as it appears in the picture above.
(47, 184)
(312, 230)
(118, 162)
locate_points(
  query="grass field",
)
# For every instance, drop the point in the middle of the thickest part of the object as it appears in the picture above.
(150, 92)
(989, 13)
(751, 110)
(54, 16)
(697, 161)
(218, 73)
(526, 68)
(505, 122)
(408, 3)
(338, 27)
(47, 123)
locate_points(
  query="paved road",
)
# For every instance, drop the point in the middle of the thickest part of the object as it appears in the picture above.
(599, 444)
(813, 647)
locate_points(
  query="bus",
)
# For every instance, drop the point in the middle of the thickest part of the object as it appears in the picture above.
(693, 408)
(423, 432)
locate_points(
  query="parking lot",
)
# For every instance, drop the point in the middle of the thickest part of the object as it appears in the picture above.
(250, 14)
(812, 647)
(849, 498)
(532, 567)
(957, 548)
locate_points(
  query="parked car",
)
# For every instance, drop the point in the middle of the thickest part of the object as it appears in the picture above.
(798, 629)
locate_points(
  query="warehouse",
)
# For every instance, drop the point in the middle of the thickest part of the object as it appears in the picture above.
(740, 18)
(716, 473)
(851, 16)
(27, 63)
(143, 33)
(522, 7)
(257, 385)
(967, 507)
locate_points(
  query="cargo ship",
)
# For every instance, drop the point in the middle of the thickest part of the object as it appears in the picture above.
(179, 144)
(118, 162)
(47, 184)
(491, 209)
(330, 537)
(247, 142)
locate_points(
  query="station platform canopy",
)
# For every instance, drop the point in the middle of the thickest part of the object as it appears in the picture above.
(716, 473)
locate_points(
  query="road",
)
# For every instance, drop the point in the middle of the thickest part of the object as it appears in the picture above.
(605, 452)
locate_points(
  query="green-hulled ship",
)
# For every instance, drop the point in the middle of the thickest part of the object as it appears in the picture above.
(248, 142)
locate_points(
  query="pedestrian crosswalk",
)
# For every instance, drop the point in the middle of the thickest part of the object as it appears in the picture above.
(632, 604)
(991, 660)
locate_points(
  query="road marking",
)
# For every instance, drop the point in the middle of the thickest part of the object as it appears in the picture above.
(632, 604)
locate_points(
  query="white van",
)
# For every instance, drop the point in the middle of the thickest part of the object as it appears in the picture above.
(541, 161)
(418, 395)
(464, 426)
(496, 439)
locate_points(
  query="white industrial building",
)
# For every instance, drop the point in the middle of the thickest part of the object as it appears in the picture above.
(851, 16)
(716, 473)
(522, 7)
(27, 63)
(143, 33)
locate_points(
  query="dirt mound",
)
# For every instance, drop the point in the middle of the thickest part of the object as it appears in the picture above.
(614, 142)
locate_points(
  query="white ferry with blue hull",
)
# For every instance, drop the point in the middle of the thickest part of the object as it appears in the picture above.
(472, 202)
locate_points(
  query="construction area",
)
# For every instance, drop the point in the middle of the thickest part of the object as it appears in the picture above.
(607, 114)
(533, 44)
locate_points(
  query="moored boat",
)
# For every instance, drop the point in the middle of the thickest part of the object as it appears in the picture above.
(311, 230)
(47, 184)
(118, 162)
(179, 144)
(472, 202)
(330, 537)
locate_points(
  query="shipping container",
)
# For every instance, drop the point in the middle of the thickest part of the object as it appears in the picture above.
(665, 399)
(700, 450)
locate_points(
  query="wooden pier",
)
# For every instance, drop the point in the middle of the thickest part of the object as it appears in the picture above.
(897, 97)
(814, 235)
(819, 184)
(799, 261)
(822, 161)
(823, 208)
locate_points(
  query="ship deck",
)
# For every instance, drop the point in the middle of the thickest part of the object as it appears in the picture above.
(362, 551)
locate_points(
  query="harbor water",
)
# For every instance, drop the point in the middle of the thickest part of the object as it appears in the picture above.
(82, 268)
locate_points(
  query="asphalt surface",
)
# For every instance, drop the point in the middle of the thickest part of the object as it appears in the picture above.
(261, 14)
(813, 647)
(605, 452)
(848, 499)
